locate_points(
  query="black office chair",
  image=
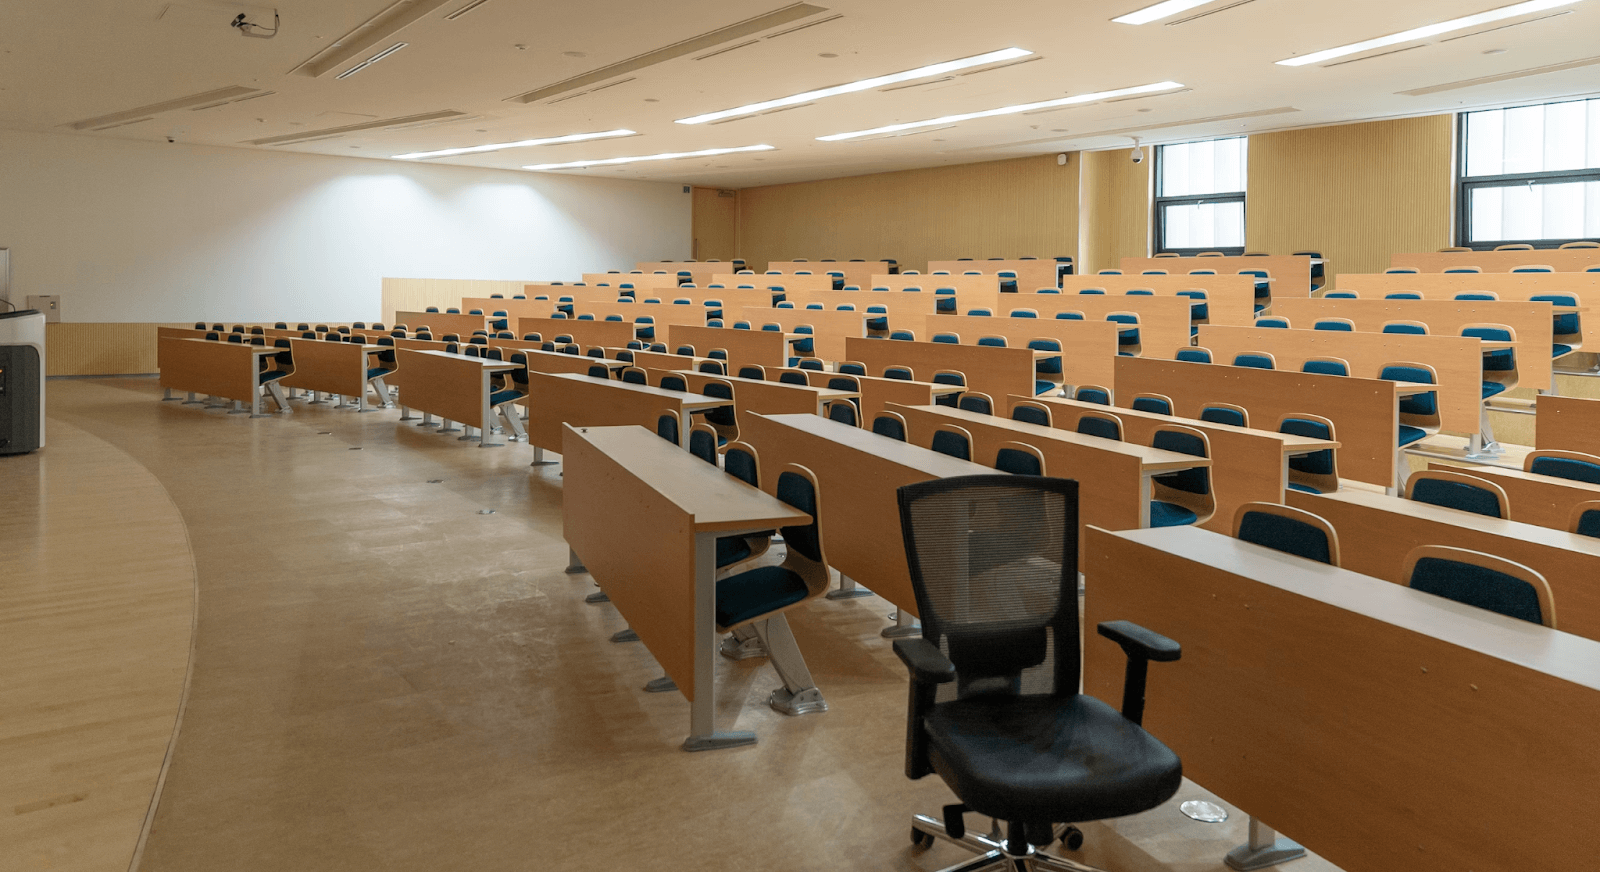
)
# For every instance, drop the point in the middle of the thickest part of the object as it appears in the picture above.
(994, 704)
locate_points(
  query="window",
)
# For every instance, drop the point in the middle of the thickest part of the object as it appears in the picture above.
(1200, 196)
(1530, 174)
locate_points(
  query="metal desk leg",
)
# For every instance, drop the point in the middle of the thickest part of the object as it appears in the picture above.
(847, 589)
(239, 409)
(191, 401)
(405, 413)
(1264, 849)
(316, 399)
(166, 395)
(1144, 501)
(904, 625)
(574, 565)
(703, 735)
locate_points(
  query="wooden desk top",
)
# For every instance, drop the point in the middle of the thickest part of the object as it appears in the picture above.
(491, 365)
(256, 349)
(931, 463)
(1151, 460)
(1496, 526)
(690, 402)
(822, 394)
(716, 500)
(1292, 444)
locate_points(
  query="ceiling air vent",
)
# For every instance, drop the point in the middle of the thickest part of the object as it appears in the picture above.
(142, 113)
(372, 33)
(328, 132)
(1187, 19)
(465, 10)
(711, 39)
(1501, 77)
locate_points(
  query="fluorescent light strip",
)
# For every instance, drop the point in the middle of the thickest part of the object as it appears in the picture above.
(863, 85)
(372, 60)
(1007, 110)
(1430, 30)
(1159, 11)
(524, 143)
(669, 156)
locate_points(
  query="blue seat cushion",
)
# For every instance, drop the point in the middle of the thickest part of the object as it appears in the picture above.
(1409, 435)
(1564, 467)
(1040, 386)
(1305, 489)
(272, 375)
(503, 396)
(1492, 388)
(731, 550)
(1558, 350)
(374, 372)
(755, 593)
(1170, 515)
(877, 323)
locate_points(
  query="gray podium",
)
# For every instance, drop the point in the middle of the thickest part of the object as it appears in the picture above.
(21, 381)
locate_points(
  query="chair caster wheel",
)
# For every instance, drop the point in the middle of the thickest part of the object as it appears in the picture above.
(1072, 838)
(921, 839)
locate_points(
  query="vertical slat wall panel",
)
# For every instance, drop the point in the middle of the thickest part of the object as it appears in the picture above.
(1355, 192)
(101, 348)
(1010, 208)
(1116, 204)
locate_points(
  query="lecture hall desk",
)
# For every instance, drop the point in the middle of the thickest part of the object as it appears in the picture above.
(338, 368)
(904, 311)
(558, 399)
(1230, 299)
(1031, 274)
(660, 571)
(1584, 286)
(1569, 260)
(1567, 424)
(1247, 464)
(1113, 477)
(766, 397)
(440, 323)
(453, 386)
(1381, 727)
(1376, 532)
(215, 368)
(855, 272)
(858, 473)
(997, 372)
(1291, 274)
(1542, 500)
(877, 392)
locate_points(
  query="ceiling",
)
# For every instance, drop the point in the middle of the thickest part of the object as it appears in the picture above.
(67, 63)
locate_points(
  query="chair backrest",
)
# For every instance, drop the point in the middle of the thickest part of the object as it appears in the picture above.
(1502, 361)
(1570, 465)
(667, 426)
(980, 546)
(1225, 413)
(952, 440)
(1159, 404)
(1326, 366)
(1341, 324)
(1478, 295)
(1273, 321)
(1412, 327)
(976, 401)
(905, 336)
(890, 424)
(752, 371)
(948, 338)
(900, 373)
(1184, 440)
(1341, 295)
(703, 443)
(1031, 412)
(992, 341)
(1454, 490)
(674, 383)
(1093, 394)
(1255, 360)
(1465, 269)
(1567, 326)
(950, 377)
(1069, 315)
(633, 375)
(851, 367)
(790, 377)
(1019, 458)
(1481, 580)
(1024, 313)
(1287, 529)
(811, 363)
(1585, 519)
(1401, 270)
(741, 461)
(1102, 424)
(1403, 295)
(844, 412)
(1319, 470)
(1194, 354)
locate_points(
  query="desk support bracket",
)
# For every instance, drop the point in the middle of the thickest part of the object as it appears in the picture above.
(904, 625)
(847, 589)
(574, 563)
(703, 735)
(1264, 849)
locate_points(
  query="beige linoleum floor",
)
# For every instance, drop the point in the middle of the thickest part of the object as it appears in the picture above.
(385, 677)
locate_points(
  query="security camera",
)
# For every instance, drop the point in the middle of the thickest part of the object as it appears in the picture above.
(1138, 153)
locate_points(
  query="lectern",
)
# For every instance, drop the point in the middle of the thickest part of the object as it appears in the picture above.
(21, 381)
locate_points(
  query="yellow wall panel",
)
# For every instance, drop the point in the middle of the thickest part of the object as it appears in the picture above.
(1355, 192)
(1026, 207)
(716, 224)
(1116, 208)
(101, 349)
(416, 295)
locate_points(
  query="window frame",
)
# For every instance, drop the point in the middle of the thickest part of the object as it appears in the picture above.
(1159, 202)
(1466, 185)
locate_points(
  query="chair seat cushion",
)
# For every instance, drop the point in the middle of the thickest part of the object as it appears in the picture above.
(504, 396)
(1170, 515)
(731, 550)
(272, 375)
(1040, 386)
(752, 594)
(1409, 435)
(877, 323)
(375, 371)
(1081, 760)
(1559, 350)
(1492, 388)
(1305, 489)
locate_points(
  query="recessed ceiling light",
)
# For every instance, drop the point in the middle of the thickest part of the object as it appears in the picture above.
(1008, 110)
(524, 143)
(863, 85)
(1159, 11)
(1427, 31)
(709, 152)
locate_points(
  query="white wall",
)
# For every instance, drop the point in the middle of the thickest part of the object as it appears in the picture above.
(152, 232)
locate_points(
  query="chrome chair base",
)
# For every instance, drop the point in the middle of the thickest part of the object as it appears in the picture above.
(806, 702)
(627, 635)
(660, 685)
(993, 853)
(734, 648)
(598, 596)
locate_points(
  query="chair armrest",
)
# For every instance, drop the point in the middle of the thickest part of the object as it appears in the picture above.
(1141, 646)
(1138, 641)
(928, 664)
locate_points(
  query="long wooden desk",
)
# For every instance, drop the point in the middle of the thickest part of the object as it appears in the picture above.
(1376, 532)
(660, 572)
(338, 368)
(1291, 274)
(1031, 274)
(440, 323)
(877, 392)
(663, 313)
(1585, 286)
(453, 386)
(856, 272)
(1543, 500)
(514, 308)
(997, 372)
(830, 327)
(858, 473)
(1567, 424)
(765, 397)
(1561, 260)
(760, 347)
(1458, 360)
(904, 311)
(1304, 689)
(1230, 299)
(1532, 323)
(216, 368)
(607, 333)
(1088, 348)
(1247, 464)
(647, 279)
(1365, 412)
(972, 292)
(557, 399)
(1163, 321)
(699, 270)
(765, 284)
(1113, 477)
